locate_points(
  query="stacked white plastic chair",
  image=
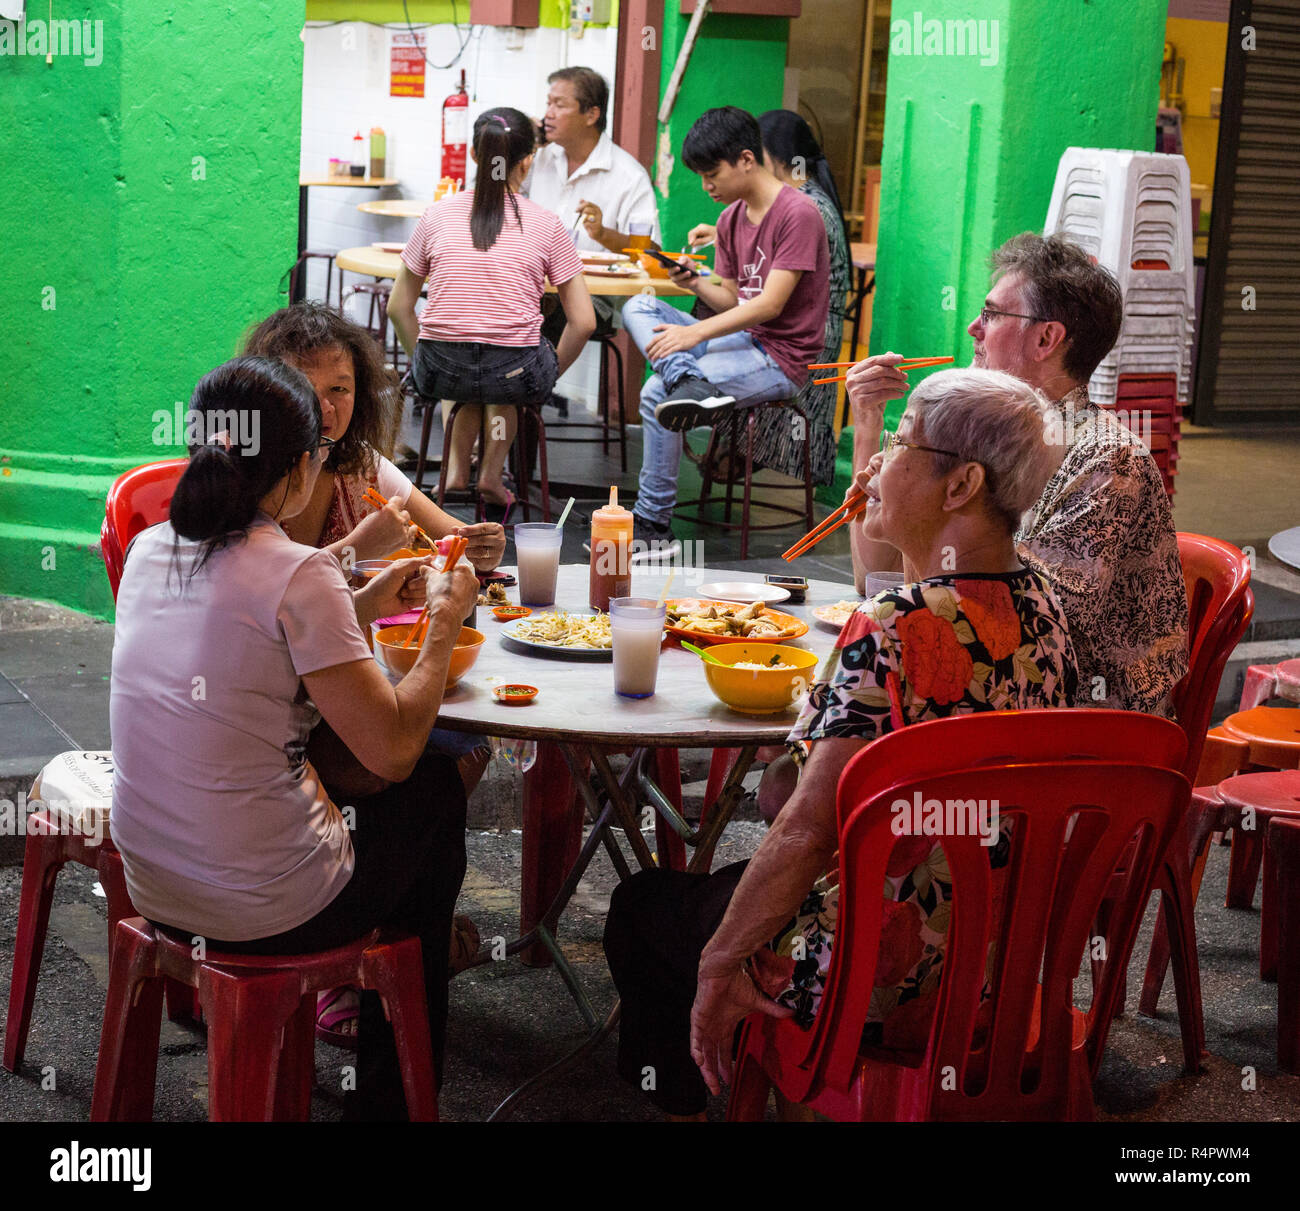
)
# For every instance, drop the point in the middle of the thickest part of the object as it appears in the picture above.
(1132, 211)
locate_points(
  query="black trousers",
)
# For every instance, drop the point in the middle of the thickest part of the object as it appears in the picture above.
(554, 319)
(658, 925)
(409, 843)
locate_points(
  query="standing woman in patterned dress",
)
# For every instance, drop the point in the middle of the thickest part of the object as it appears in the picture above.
(793, 156)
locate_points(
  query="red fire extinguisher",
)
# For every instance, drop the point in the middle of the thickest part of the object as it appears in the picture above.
(455, 133)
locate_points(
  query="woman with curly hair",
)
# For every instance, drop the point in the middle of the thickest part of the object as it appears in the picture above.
(973, 630)
(361, 406)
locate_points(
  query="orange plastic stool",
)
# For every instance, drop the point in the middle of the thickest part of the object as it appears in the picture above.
(1273, 733)
(261, 1014)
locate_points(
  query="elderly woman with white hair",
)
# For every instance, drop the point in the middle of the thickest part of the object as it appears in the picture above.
(972, 630)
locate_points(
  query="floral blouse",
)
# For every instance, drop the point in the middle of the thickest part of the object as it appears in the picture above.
(1102, 535)
(945, 646)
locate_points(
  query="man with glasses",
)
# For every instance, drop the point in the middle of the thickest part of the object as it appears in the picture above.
(1101, 532)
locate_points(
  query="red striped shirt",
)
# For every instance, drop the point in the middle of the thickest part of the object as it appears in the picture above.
(491, 296)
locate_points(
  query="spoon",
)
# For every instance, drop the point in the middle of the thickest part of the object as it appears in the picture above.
(702, 654)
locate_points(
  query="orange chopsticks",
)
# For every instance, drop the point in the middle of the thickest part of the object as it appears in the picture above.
(850, 509)
(420, 627)
(372, 497)
(912, 364)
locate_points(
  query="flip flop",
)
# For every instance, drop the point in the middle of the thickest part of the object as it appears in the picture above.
(465, 943)
(498, 513)
(331, 1014)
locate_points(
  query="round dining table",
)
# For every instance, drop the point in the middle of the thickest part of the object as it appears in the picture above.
(395, 208)
(380, 264)
(577, 721)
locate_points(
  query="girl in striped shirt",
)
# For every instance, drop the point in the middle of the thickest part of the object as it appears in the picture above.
(487, 255)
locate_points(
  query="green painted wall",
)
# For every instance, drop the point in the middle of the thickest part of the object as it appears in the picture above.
(971, 147)
(736, 61)
(156, 213)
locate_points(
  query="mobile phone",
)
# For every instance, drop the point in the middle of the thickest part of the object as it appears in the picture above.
(502, 578)
(797, 586)
(667, 262)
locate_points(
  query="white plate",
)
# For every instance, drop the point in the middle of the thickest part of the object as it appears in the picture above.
(388, 246)
(613, 271)
(601, 258)
(746, 591)
(552, 649)
(825, 617)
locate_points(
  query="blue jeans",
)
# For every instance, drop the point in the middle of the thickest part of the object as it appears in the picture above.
(737, 365)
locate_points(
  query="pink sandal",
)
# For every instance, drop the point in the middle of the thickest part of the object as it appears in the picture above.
(334, 1008)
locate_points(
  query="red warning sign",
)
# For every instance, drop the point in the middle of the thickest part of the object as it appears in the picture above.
(406, 65)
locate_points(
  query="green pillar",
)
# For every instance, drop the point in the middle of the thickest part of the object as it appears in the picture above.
(977, 116)
(152, 212)
(736, 61)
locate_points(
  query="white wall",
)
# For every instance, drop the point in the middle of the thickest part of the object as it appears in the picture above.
(345, 89)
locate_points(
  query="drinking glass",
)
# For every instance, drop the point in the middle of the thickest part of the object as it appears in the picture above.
(637, 627)
(638, 235)
(537, 549)
(878, 582)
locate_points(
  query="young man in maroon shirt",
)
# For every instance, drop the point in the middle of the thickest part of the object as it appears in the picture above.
(770, 311)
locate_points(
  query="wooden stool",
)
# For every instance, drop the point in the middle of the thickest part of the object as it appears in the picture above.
(732, 424)
(529, 414)
(261, 1014)
(608, 349)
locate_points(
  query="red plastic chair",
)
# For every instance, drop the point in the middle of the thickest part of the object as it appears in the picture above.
(1088, 790)
(261, 1014)
(1220, 606)
(138, 498)
(1283, 844)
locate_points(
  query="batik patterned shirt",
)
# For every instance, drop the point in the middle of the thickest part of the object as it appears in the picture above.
(1103, 537)
(950, 645)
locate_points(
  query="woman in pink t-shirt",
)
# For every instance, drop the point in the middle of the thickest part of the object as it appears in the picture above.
(487, 255)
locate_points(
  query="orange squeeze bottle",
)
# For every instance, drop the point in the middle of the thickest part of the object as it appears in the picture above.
(611, 550)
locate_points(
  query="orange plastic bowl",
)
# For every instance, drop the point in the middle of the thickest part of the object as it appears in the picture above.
(401, 660)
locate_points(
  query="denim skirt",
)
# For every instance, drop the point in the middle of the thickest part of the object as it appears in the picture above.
(470, 372)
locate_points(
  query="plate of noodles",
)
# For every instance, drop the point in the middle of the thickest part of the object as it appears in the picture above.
(559, 633)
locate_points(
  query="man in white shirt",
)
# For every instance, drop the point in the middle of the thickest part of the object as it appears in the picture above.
(579, 170)
(599, 191)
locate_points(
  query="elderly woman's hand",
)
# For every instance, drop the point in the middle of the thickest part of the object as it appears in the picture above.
(721, 1002)
(451, 592)
(395, 590)
(871, 384)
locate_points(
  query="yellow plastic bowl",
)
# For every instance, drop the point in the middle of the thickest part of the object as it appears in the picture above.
(759, 691)
(402, 660)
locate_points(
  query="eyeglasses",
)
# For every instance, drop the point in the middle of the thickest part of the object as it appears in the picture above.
(893, 442)
(325, 445)
(987, 313)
